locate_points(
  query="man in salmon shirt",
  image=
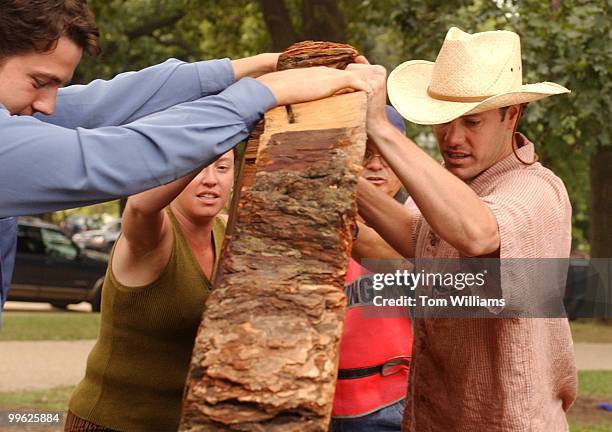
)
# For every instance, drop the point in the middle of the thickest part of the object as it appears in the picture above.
(496, 369)
(376, 345)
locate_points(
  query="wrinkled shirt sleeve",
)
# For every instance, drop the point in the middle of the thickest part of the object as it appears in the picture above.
(132, 95)
(45, 167)
(534, 219)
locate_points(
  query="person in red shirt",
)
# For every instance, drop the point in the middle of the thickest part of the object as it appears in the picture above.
(376, 342)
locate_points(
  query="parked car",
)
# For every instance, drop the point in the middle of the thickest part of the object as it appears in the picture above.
(78, 223)
(49, 267)
(101, 239)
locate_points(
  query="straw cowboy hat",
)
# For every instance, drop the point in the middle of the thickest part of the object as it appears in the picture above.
(473, 73)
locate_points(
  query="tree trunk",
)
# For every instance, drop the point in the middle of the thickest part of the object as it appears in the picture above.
(122, 204)
(323, 20)
(278, 22)
(601, 203)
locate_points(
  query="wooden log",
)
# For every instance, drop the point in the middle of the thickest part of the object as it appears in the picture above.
(266, 355)
(299, 55)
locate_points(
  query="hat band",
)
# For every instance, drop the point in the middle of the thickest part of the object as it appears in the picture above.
(448, 98)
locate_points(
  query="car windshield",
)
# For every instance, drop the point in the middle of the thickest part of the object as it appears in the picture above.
(58, 245)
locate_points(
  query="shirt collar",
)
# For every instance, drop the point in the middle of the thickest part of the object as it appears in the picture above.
(525, 151)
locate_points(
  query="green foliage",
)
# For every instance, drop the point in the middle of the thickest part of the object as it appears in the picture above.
(139, 33)
(570, 46)
(370, 30)
(109, 208)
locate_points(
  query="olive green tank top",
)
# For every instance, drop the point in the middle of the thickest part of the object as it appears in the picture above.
(137, 369)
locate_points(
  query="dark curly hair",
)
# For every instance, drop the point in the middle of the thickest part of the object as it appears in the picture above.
(36, 26)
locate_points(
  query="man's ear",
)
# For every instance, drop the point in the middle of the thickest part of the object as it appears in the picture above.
(514, 114)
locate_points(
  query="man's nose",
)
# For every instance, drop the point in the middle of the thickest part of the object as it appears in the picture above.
(455, 134)
(45, 102)
(374, 162)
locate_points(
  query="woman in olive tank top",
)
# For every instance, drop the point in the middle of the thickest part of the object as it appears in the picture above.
(158, 277)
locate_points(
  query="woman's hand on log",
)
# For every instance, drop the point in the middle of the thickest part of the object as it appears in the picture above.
(302, 85)
(255, 66)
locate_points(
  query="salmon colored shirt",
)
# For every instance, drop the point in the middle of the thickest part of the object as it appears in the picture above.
(479, 374)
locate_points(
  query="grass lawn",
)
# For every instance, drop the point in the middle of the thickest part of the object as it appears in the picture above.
(54, 399)
(75, 326)
(595, 387)
(49, 400)
(590, 330)
(32, 326)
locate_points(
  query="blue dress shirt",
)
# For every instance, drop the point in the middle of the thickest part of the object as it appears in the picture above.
(8, 243)
(115, 138)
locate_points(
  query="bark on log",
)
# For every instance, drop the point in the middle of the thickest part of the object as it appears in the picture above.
(299, 55)
(266, 354)
(316, 53)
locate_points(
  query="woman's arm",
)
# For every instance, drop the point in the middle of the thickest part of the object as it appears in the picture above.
(143, 249)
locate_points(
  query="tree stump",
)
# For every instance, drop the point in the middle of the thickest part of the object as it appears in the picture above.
(266, 353)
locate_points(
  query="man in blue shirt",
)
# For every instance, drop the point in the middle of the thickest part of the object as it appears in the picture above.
(74, 146)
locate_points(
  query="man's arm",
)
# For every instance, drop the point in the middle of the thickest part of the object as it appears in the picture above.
(370, 245)
(450, 206)
(132, 95)
(45, 167)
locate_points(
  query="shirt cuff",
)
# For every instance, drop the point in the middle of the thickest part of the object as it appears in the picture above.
(251, 99)
(215, 75)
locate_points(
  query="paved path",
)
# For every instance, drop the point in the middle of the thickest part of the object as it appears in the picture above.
(593, 356)
(42, 364)
(45, 364)
(15, 306)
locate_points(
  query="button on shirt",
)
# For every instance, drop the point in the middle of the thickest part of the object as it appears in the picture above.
(116, 138)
